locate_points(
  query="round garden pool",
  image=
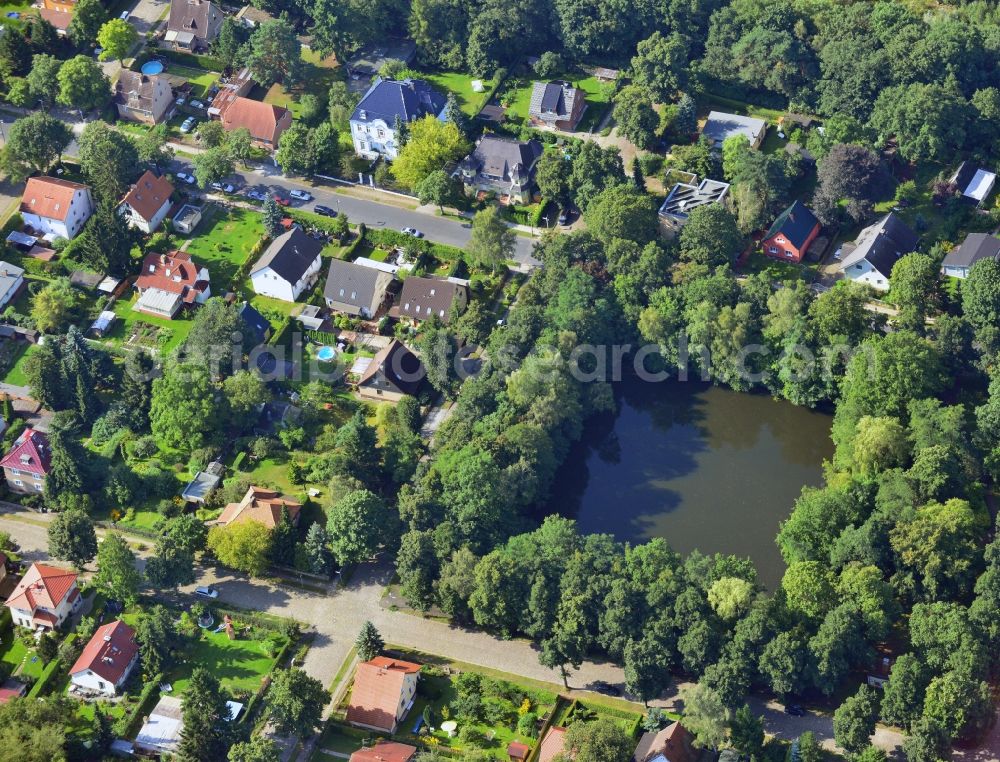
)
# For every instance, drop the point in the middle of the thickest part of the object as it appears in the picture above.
(152, 67)
(326, 353)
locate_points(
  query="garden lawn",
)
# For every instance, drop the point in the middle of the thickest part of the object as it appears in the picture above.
(199, 79)
(223, 242)
(460, 84)
(318, 74)
(598, 100)
(12, 653)
(157, 331)
(16, 375)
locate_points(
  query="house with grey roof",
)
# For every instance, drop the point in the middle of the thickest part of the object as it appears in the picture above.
(193, 24)
(503, 166)
(144, 98)
(11, 280)
(686, 197)
(356, 290)
(289, 266)
(422, 298)
(976, 246)
(557, 104)
(373, 123)
(870, 258)
(721, 125)
(368, 61)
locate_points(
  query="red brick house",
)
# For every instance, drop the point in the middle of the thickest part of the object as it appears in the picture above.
(791, 234)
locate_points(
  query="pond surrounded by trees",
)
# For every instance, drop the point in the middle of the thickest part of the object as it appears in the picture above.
(698, 465)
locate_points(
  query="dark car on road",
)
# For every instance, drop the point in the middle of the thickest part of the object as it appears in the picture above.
(325, 210)
(607, 688)
(795, 710)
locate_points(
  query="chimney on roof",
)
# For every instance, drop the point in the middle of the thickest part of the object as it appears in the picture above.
(163, 259)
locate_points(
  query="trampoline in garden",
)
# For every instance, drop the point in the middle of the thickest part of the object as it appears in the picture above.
(152, 67)
(326, 353)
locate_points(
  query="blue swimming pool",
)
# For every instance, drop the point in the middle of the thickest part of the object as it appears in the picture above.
(326, 353)
(152, 67)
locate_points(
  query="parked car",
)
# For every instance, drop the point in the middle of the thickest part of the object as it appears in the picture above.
(256, 195)
(206, 592)
(412, 231)
(223, 187)
(795, 710)
(184, 177)
(181, 100)
(300, 195)
(325, 210)
(197, 104)
(565, 216)
(188, 125)
(607, 688)
(280, 200)
(125, 15)
(97, 52)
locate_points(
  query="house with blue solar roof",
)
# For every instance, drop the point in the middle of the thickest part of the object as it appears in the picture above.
(373, 123)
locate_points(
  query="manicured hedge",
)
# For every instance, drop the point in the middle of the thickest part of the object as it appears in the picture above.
(190, 59)
(47, 678)
(150, 692)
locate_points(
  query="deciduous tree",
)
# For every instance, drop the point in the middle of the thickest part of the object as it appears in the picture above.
(72, 538)
(82, 83)
(295, 702)
(431, 145)
(116, 572)
(117, 37)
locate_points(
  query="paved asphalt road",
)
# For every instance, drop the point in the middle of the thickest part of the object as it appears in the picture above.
(446, 230)
(338, 615)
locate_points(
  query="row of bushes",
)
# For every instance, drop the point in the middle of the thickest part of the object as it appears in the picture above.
(286, 627)
(47, 678)
(126, 726)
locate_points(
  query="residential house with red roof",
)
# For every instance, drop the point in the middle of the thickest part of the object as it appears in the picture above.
(261, 505)
(792, 233)
(55, 208)
(385, 751)
(59, 13)
(107, 660)
(169, 282)
(383, 693)
(45, 597)
(27, 464)
(265, 122)
(147, 203)
(671, 744)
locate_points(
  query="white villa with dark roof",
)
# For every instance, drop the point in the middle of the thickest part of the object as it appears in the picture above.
(871, 257)
(373, 123)
(288, 267)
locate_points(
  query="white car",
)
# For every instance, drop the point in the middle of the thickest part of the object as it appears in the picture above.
(125, 15)
(188, 125)
(256, 195)
(196, 104)
(224, 187)
(186, 178)
(181, 101)
(300, 195)
(206, 592)
(412, 231)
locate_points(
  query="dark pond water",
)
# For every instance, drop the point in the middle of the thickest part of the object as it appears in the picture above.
(700, 466)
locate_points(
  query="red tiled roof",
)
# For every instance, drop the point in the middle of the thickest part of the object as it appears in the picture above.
(30, 453)
(59, 19)
(175, 273)
(260, 118)
(49, 197)
(385, 751)
(517, 750)
(109, 652)
(553, 744)
(378, 686)
(674, 743)
(261, 505)
(148, 195)
(42, 585)
(11, 689)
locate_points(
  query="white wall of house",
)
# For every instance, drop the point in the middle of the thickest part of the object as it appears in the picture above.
(374, 139)
(266, 282)
(80, 209)
(138, 221)
(406, 695)
(955, 272)
(9, 293)
(863, 272)
(23, 618)
(91, 681)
